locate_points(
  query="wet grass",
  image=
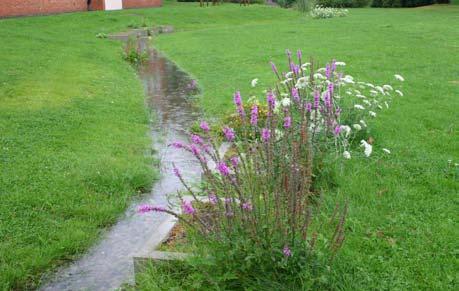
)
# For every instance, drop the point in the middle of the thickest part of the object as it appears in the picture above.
(74, 135)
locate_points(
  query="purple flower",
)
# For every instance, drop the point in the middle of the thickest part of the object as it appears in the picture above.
(204, 126)
(273, 67)
(234, 161)
(308, 107)
(223, 169)
(265, 134)
(338, 112)
(331, 88)
(287, 122)
(227, 200)
(316, 99)
(187, 207)
(333, 65)
(295, 94)
(299, 54)
(147, 208)
(296, 69)
(271, 99)
(229, 133)
(177, 172)
(287, 252)
(254, 115)
(177, 145)
(327, 99)
(213, 199)
(196, 139)
(238, 102)
(328, 71)
(195, 150)
(337, 129)
(247, 206)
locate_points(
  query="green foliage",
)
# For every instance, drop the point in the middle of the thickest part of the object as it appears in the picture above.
(285, 3)
(401, 3)
(343, 3)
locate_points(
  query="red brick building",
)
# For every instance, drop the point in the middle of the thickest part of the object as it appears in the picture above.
(9, 8)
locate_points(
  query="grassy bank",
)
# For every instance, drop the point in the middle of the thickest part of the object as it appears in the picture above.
(402, 226)
(74, 129)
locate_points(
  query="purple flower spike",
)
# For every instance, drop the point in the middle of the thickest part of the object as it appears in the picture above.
(308, 107)
(234, 161)
(333, 66)
(177, 172)
(213, 199)
(296, 69)
(328, 71)
(238, 103)
(295, 95)
(287, 252)
(148, 208)
(247, 206)
(331, 88)
(265, 134)
(177, 145)
(254, 115)
(196, 139)
(299, 54)
(316, 99)
(337, 129)
(204, 126)
(271, 99)
(229, 133)
(187, 207)
(287, 122)
(223, 169)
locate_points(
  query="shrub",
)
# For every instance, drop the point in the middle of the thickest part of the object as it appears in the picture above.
(401, 3)
(263, 211)
(327, 12)
(343, 3)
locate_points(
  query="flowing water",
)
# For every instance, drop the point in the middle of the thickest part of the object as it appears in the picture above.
(109, 263)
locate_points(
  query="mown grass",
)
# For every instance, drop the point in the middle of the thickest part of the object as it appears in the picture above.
(74, 130)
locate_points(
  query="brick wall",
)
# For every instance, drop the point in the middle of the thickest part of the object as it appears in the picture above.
(140, 3)
(31, 7)
(10, 8)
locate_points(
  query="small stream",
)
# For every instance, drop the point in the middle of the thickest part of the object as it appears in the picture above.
(109, 263)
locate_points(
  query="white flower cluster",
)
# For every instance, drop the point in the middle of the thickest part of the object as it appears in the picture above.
(327, 12)
(355, 101)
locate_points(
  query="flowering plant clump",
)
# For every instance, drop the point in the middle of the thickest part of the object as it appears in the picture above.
(327, 12)
(261, 203)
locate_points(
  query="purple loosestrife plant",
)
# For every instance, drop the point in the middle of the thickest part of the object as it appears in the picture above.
(262, 197)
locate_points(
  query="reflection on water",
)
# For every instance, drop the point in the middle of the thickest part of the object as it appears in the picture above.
(109, 263)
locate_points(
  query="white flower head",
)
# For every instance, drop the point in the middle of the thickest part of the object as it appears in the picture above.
(399, 77)
(368, 148)
(254, 82)
(340, 63)
(399, 93)
(362, 122)
(386, 151)
(358, 106)
(286, 102)
(346, 129)
(387, 104)
(372, 113)
(347, 155)
(357, 127)
(388, 87)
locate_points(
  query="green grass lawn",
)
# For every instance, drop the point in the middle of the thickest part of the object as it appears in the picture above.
(74, 136)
